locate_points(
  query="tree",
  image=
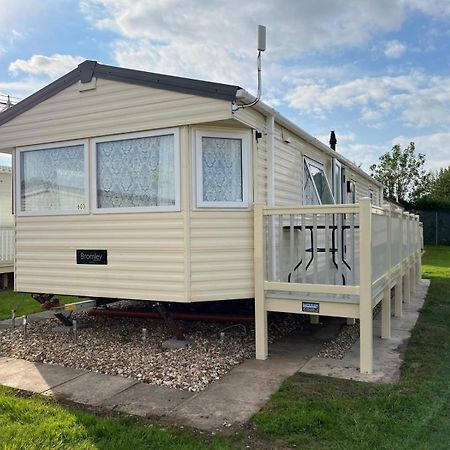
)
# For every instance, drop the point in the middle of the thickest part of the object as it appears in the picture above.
(440, 188)
(402, 174)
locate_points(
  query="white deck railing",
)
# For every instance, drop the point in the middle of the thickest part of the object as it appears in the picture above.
(7, 246)
(338, 260)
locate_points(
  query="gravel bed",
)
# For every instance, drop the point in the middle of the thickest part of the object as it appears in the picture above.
(341, 344)
(114, 346)
(337, 347)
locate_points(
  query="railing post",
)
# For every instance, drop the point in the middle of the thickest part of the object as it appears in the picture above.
(407, 270)
(412, 251)
(386, 301)
(398, 288)
(418, 251)
(261, 331)
(365, 297)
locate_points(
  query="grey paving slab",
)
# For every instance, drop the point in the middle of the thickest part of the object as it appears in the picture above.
(213, 413)
(243, 391)
(5, 359)
(32, 318)
(147, 400)
(35, 377)
(92, 388)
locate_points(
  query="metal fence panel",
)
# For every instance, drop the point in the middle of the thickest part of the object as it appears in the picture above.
(436, 226)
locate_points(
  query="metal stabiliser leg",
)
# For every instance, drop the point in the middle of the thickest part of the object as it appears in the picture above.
(172, 324)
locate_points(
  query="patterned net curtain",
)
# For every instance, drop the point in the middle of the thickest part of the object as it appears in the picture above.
(53, 179)
(222, 169)
(136, 172)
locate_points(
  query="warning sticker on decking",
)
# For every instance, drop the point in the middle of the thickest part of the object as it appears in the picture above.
(310, 307)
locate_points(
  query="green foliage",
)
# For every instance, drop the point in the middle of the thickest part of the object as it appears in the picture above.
(440, 187)
(433, 204)
(401, 172)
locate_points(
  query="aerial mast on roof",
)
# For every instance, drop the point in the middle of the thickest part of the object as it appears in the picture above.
(261, 48)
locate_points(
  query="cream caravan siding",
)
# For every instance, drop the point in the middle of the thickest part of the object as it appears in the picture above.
(145, 255)
(257, 121)
(363, 186)
(260, 171)
(147, 252)
(111, 108)
(221, 255)
(6, 217)
(288, 169)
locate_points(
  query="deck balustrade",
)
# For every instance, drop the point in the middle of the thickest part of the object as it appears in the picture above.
(7, 247)
(335, 260)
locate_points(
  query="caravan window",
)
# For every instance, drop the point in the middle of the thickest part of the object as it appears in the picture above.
(222, 169)
(316, 188)
(137, 172)
(52, 179)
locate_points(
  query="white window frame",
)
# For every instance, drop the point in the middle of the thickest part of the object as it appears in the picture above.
(18, 159)
(246, 139)
(337, 167)
(311, 162)
(138, 209)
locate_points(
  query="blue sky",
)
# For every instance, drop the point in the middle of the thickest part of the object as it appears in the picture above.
(376, 71)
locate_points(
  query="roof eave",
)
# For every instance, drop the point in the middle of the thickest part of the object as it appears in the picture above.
(246, 97)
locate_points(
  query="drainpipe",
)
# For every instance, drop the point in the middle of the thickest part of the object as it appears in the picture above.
(270, 160)
(270, 144)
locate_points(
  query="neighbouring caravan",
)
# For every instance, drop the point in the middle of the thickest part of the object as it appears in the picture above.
(138, 185)
(6, 224)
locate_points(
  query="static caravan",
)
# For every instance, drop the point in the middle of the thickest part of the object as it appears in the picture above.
(6, 225)
(137, 185)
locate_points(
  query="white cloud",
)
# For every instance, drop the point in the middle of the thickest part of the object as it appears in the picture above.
(363, 155)
(18, 90)
(216, 39)
(52, 66)
(394, 49)
(436, 8)
(416, 99)
(434, 146)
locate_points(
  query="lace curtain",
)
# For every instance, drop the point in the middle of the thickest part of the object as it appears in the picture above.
(136, 172)
(222, 169)
(53, 179)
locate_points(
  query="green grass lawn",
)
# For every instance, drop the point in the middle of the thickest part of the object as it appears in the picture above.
(308, 411)
(23, 303)
(318, 412)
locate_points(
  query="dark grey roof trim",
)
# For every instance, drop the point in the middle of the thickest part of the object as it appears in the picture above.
(168, 82)
(88, 69)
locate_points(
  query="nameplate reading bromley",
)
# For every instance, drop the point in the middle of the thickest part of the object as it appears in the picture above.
(97, 257)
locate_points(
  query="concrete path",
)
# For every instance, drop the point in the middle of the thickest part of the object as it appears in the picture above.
(235, 397)
(388, 353)
(36, 317)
